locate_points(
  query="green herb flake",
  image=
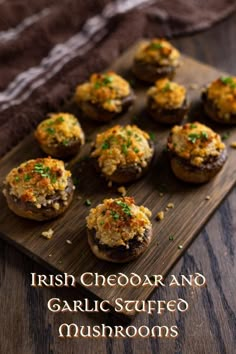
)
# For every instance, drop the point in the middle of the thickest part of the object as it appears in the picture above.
(125, 207)
(97, 85)
(152, 136)
(53, 179)
(107, 80)
(124, 149)
(204, 135)
(50, 130)
(105, 145)
(225, 135)
(136, 150)
(227, 80)
(115, 215)
(17, 178)
(102, 222)
(27, 178)
(167, 87)
(87, 202)
(193, 137)
(192, 126)
(171, 238)
(65, 142)
(155, 46)
(60, 120)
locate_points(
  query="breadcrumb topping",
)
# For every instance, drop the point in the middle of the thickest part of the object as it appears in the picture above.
(195, 142)
(222, 92)
(106, 90)
(158, 51)
(35, 180)
(167, 94)
(116, 221)
(121, 146)
(60, 128)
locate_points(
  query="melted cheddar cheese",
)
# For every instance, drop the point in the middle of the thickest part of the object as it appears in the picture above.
(116, 221)
(195, 142)
(158, 51)
(222, 92)
(60, 128)
(167, 94)
(121, 146)
(35, 180)
(106, 90)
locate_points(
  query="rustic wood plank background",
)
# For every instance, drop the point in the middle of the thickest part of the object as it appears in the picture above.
(209, 325)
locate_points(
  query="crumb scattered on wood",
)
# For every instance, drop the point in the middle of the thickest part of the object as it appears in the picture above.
(69, 242)
(170, 205)
(122, 191)
(160, 215)
(180, 247)
(47, 234)
(194, 86)
(161, 194)
(233, 145)
(50, 255)
(208, 197)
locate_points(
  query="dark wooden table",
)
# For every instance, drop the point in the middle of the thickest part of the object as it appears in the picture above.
(209, 326)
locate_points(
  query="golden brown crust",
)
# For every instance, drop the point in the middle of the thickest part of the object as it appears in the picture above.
(104, 96)
(167, 102)
(60, 135)
(119, 230)
(196, 152)
(123, 154)
(219, 100)
(155, 59)
(39, 189)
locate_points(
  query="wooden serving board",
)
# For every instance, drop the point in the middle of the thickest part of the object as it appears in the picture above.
(183, 222)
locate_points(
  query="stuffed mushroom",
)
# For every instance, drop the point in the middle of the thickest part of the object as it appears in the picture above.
(155, 59)
(197, 153)
(60, 135)
(167, 102)
(39, 189)
(104, 97)
(219, 100)
(119, 230)
(123, 154)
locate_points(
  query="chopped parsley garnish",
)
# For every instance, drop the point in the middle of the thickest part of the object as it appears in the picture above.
(87, 202)
(27, 178)
(125, 207)
(60, 120)
(192, 126)
(97, 85)
(115, 215)
(50, 130)
(204, 135)
(107, 80)
(105, 145)
(225, 135)
(17, 178)
(193, 137)
(102, 222)
(154, 46)
(227, 80)
(152, 136)
(65, 142)
(136, 150)
(44, 171)
(167, 87)
(124, 149)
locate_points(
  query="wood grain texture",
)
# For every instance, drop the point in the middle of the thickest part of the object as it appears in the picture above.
(191, 209)
(209, 325)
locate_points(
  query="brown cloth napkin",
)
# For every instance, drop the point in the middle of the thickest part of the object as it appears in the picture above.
(49, 46)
